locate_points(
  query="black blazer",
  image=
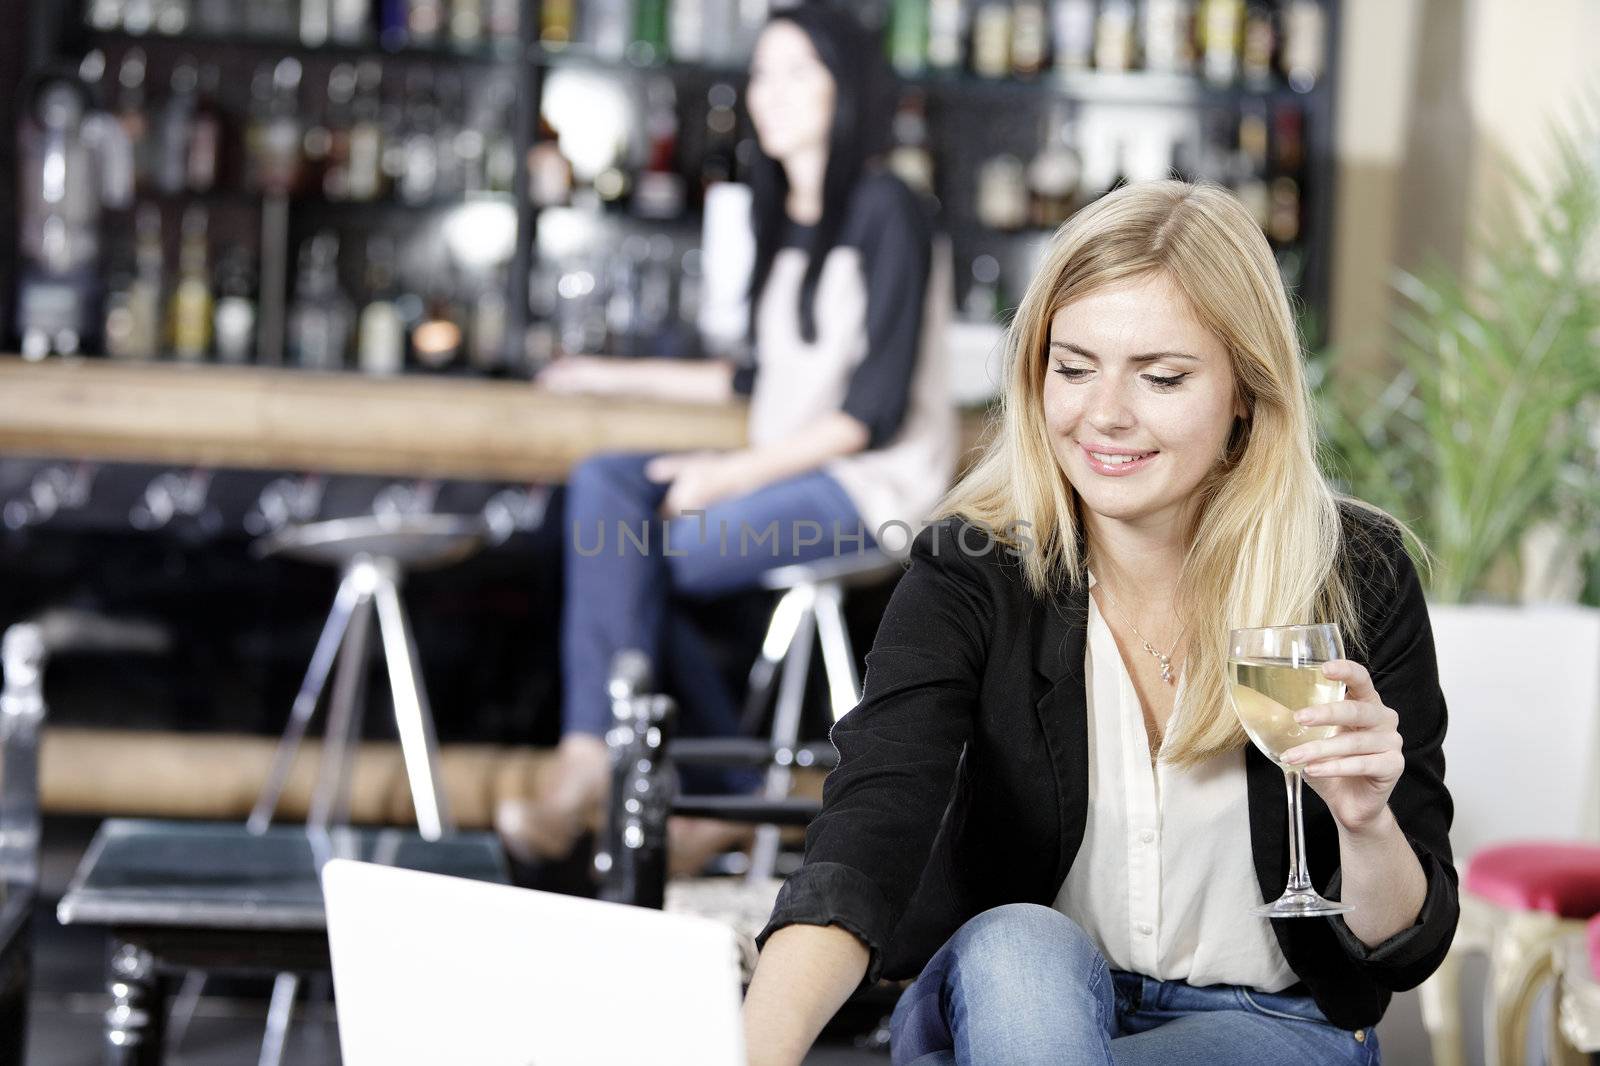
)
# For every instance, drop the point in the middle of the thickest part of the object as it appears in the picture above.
(963, 775)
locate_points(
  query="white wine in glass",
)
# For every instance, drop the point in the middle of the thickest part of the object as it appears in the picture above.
(1272, 673)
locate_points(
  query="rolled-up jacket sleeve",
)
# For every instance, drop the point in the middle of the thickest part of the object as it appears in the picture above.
(898, 751)
(1405, 673)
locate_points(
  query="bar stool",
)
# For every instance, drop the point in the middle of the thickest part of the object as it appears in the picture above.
(810, 610)
(1519, 902)
(372, 554)
(1578, 988)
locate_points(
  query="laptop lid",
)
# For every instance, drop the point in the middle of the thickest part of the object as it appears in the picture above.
(433, 969)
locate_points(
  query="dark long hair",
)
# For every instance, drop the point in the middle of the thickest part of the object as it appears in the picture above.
(863, 111)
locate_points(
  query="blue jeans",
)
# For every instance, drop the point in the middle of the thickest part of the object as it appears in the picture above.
(617, 592)
(1023, 984)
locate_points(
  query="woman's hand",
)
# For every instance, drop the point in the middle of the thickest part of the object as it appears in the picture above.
(1355, 770)
(700, 479)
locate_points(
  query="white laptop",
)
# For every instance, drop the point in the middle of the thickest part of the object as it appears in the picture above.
(441, 970)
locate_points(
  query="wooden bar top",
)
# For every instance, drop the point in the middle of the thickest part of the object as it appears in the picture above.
(264, 418)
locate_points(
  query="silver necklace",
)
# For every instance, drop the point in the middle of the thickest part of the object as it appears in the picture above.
(1164, 660)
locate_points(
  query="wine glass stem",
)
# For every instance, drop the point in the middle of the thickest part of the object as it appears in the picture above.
(1299, 878)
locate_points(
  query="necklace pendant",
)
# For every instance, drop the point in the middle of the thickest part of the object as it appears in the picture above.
(1166, 669)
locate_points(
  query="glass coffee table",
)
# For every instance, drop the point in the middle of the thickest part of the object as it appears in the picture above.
(185, 896)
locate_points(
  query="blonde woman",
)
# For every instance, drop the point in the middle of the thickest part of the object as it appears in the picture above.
(1046, 811)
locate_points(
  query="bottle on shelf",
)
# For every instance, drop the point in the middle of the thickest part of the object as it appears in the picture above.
(1305, 31)
(467, 23)
(143, 339)
(991, 39)
(203, 165)
(720, 160)
(325, 147)
(908, 36)
(549, 172)
(319, 321)
(500, 147)
(278, 140)
(215, 18)
(686, 31)
(171, 17)
(1030, 37)
(649, 44)
(174, 127)
(1168, 37)
(1221, 25)
(437, 337)
(1249, 179)
(608, 27)
(424, 22)
(349, 21)
(452, 144)
(1072, 34)
(557, 22)
(503, 20)
(418, 176)
(394, 29)
(364, 170)
(234, 320)
(660, 192)
(982, 302)
(314, 23)
(1054, 173)
(1114, 36)
(721, 20)
(381, 332)
(947, 32)
(132, 116)
(191, 296)
(1259, 45)
(910, 158)
(271, 19)
(1003, 194)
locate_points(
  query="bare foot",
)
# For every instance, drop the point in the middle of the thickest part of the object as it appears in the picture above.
(570, 801)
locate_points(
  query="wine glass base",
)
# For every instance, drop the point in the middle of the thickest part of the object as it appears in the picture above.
(1300, 905)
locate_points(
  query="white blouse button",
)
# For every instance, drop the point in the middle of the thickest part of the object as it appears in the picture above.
(1147, 836)
(1145, 928)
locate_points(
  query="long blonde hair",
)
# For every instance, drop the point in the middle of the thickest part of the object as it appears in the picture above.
(1265, 541)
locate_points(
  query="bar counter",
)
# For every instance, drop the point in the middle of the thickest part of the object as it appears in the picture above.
(262, 418)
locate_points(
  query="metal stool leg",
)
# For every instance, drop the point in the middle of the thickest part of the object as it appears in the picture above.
(279, 1015)
(330, 802)
(838, 658)
(787, 614)
(786, 727)
(413, 717)
(305, 701)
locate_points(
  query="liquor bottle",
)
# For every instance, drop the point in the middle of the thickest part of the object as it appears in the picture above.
(660, 190)
(171, 17)
(1221, 24)
(419, 174)
(721, 18)
(319, 322)
(364, 175)
(908, 37)
(449, 161)
(1259, 45)
(686, 29)
(991, 39)
(1030, 37)
(424, 22)
(350, 21)
(191, 297)
(649, 32)
(393, 24)
(216, 18)
(1072, 27)
(203, 166)
(947, 29)
(173, 129)
(557, 19)
(1250, 164)
(486, 348)
(1305, 30)
(142, 337)
(910, 158)
(104, 15)
(1113, 38)
(280, 137)
(338, 122)
(381, 334)
(1054, 172)
(1168, 36)
(1003, 194)
(234, 321)
(500, 149)
(131, 115)
(503, 20)
(314, 23)
(608, 27)
(549, 172)
(466, 23)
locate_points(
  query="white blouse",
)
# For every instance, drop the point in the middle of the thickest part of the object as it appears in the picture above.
(1164, 880)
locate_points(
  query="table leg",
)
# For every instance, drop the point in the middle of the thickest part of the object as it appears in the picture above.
(137, 1017)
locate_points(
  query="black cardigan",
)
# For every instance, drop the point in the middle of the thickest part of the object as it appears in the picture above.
(963, 775)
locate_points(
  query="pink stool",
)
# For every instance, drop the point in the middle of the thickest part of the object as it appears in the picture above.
(1519, 903)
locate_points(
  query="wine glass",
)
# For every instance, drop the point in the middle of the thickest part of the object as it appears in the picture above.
(1272, 673)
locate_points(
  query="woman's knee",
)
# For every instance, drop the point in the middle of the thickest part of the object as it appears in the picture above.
(600, 482)
(1020, 938)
